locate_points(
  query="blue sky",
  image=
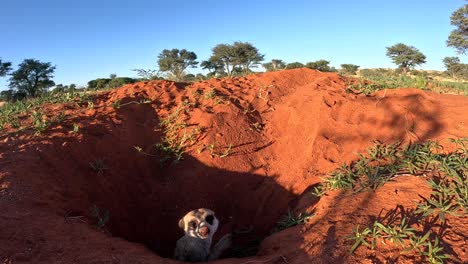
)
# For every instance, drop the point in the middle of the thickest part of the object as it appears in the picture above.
(90, 39)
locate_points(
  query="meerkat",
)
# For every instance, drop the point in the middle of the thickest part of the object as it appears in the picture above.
(199, 226)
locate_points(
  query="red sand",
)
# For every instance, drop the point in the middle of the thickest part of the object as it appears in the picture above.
(287, 129)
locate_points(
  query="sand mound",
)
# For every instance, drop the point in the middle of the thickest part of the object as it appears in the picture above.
(253, 147)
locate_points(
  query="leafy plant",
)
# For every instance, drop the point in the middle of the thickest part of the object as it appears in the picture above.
(291, 220)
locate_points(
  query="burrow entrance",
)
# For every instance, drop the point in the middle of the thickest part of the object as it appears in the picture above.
(146, 203)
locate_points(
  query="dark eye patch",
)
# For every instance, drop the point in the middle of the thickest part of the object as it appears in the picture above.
(210, 219)
(192, 224)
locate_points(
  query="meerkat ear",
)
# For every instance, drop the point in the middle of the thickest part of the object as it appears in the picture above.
(181, 223)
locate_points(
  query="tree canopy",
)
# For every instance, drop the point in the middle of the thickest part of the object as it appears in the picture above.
(238, 57)
(32, 77)
(455, 68)
(320, 65)
(274, 65)
(458, 38)
(5, 67)
(214, 67)
(176, 61)
(294, 65)
(405, 57)
(349, 68)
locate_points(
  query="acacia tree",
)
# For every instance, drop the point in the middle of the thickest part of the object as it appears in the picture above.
(294, 65)
(455, 68)
(458, 38)
(274, 65)
(349, 68)
(405, 57)
(176, 61)
(237, 58)
(5, 67)
(32, 77)
(247, 56)
(214, 67)
(320, 65)
(224, 54)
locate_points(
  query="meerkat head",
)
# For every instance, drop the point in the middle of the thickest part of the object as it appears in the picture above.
(200, 223)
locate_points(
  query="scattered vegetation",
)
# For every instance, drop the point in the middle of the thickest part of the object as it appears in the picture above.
(383, 162)
(177, 137)
(12, 112)
(380, 79)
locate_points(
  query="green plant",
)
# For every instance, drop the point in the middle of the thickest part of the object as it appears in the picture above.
(98, 166)
(40, 122)
(434, 253)
(211, 94)
(359, 238)
(291, 219)
(76, 128)
(396, 234)
(101, 219)
(381, 163)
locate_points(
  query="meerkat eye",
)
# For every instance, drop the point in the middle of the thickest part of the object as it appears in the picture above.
(210, 219)
(192, 224)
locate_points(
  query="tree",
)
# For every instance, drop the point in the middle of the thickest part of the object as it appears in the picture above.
(214, 67)
(274, 65)
(225, 55)
(32, 77)
(247, 56)
(349, 68)
(405, 57)
(5, 67)
(176, 61)
(320, 65)
(458, 38)
(294, 65)
(237, 58)
(455, 68)
(108, 83)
